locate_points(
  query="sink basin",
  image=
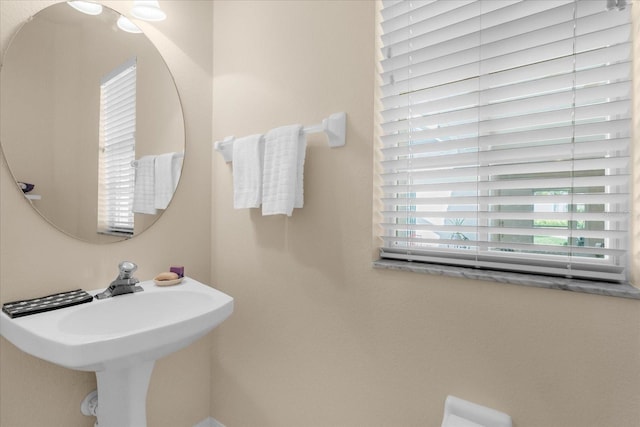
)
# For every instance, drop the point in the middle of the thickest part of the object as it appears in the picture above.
(119, 338)
(116, 332)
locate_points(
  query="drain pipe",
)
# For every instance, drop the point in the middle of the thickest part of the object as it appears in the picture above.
(89, 405)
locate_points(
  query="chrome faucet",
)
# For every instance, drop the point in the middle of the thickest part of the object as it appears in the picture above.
(125, 283)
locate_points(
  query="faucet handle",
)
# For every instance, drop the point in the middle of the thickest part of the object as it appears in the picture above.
(126, 269)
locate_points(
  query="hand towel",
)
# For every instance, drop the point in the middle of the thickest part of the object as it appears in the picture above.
(462, 413)
(165, 180)
(247, 172)
(456, 421)
(143, 190)
(176, 169)
(283, 174)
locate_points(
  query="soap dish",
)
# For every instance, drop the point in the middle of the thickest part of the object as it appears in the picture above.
(168, 282)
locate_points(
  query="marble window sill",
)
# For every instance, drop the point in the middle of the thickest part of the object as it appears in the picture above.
(622, 290)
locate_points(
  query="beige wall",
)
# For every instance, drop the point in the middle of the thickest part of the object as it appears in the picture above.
(36, 259)
(318, 337)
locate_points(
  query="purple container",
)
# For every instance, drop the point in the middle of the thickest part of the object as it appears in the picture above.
(178, 269)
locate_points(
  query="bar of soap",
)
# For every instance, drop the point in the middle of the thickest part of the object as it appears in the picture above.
(166, 276)
(167, 279)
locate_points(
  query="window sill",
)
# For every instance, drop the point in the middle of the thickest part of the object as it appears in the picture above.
(622, 290)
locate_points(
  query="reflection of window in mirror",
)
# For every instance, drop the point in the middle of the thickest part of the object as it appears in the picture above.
(117, 150)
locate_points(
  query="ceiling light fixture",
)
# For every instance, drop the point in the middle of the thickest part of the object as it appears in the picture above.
(148, 10)
(86, 7)
(125, 24)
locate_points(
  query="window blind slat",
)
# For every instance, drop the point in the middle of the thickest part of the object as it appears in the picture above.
(554, 27)
(605, 272)
(493, 20)
(397, 110)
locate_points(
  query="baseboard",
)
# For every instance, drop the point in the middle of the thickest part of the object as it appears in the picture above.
(209, 422)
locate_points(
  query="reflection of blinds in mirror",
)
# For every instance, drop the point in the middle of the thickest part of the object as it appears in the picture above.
(117, 150)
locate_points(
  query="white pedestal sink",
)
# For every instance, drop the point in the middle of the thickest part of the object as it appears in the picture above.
(120, 338)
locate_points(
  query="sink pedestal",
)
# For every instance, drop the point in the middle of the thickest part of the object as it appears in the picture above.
(122, 395)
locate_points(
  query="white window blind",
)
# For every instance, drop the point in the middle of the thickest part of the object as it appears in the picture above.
(506, 135)
(117, 150)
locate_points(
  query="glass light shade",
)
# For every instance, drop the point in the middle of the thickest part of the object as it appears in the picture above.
(125, 24)
(86, 7)
(148, 10)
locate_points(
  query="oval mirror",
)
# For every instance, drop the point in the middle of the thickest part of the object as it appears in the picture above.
(91, 124)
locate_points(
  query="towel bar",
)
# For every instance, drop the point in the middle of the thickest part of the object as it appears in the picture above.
(334, 126)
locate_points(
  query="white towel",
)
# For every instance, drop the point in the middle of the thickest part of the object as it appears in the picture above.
(282, 177)
(247, 172)
(456, 421)
(166, 178)
(143, 191)
(462, 413)
(176, 169)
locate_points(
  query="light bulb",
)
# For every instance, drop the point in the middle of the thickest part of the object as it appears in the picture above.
(86, 7)
(148, 10)
(125, 24)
